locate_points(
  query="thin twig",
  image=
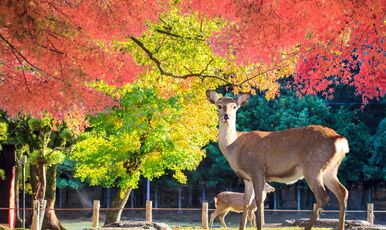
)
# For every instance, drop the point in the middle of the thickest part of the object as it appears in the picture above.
(179, 36)
(22, 70)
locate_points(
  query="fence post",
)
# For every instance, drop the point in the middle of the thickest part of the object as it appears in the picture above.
(205, 215)
(95, 214)
(149, 209)
(35, 215)
(370, 213)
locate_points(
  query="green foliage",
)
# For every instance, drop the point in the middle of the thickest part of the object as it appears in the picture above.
(3, 138)
(3, 132)
(65, 177)
(42, 139)
(162, 123)
(180, 42)
(377, 167)
(145, 135)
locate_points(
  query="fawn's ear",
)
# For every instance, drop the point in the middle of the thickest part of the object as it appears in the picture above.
(242, 99)
(212, 96)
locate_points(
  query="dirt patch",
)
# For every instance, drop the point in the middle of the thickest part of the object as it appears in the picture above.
(333, 223)
(136, 225)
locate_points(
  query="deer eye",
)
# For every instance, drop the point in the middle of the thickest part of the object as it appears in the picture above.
(234, 107)
(219, 106)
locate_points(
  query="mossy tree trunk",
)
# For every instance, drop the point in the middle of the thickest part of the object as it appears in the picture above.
(38, 184)
(51, 221)
(41, 188)
(118, 203)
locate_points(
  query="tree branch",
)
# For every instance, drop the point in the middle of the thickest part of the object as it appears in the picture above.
(22, 70)
(200, 75)
(13, 48)
(179, 36)
(18, 54)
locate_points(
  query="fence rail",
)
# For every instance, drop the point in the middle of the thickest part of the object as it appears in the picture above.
(189, 209)
(149, 209)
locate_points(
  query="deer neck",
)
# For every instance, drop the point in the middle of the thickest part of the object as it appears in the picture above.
(227, 135)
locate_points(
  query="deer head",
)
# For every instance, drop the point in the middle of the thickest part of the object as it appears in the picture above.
(227, 106)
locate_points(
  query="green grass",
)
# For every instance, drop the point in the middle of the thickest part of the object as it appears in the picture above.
(75, 225)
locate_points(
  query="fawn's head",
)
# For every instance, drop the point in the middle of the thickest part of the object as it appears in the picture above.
(227, 106)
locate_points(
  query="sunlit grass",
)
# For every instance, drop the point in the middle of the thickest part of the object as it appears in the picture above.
(76, 225)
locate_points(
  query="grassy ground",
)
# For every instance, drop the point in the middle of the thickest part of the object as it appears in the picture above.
(76, 225)
(79, 225)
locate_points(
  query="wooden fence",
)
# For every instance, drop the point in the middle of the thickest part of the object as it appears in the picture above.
(149, 212)
(205, 210)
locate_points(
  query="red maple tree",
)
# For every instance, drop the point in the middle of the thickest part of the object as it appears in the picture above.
(333, 40)
(50, 50)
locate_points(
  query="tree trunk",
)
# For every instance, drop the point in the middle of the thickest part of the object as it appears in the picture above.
(19, 223)
(41, 189)
(50, 219)
(38, 183)
(118, 202)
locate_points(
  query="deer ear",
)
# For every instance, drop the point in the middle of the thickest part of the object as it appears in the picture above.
(212, 96)
(242, 99)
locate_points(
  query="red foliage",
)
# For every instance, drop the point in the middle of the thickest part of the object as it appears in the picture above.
(332, 38)
(50, 50)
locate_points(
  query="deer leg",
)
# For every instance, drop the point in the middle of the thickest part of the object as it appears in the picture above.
(213, 216)
(332, 182)
(249, 216)
(248, 197)
(252, 217)
(258, 186)
(222, 219)
(317, 187)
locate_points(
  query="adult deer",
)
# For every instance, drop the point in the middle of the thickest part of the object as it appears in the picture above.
(234, 201)
(313, 152)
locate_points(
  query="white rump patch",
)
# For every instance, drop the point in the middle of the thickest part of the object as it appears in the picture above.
(341, 145)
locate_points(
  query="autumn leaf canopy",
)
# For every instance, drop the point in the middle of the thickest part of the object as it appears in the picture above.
(53, 52)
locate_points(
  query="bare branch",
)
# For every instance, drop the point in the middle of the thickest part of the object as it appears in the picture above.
(19, 55)
(13, 48)
(179, 36)
(22, 70)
